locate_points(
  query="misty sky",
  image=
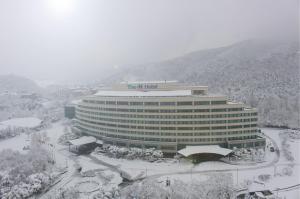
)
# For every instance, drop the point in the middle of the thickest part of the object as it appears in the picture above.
(69, 40)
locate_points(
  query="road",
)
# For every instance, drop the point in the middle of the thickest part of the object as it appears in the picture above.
(71, 172)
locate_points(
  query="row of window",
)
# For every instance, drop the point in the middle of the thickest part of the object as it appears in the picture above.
(178, 103)
(166, 122)
(173, 116)
(158, 128)
(161, 110)
(218, 139)
(157, 134)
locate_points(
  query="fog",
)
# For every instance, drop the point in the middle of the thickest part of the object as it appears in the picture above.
(72, 40)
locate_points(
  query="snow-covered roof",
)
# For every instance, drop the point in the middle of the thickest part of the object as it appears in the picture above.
(75, 102)
(2, 127)
(144, 93)
(150, 82)
(99, 142)
(83, 140)
(260, 194)
(29, 122)
(216, 149)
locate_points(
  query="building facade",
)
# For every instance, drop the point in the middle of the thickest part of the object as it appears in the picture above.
(69, 110)
(168, 116)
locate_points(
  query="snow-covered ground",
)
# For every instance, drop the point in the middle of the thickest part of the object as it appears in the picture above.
(138, 169)
(2, 127)
(16, 143)
(106, 171)
(26, 122)
(273, 166)
(102, 175)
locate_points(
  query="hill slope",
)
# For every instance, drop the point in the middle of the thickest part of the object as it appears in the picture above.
(264, 74)
(13, 83)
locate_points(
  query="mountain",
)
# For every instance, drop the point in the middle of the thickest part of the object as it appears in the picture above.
(13, 83)
(263, 74)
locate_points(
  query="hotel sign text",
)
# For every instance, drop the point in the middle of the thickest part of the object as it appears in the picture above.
(142, 86)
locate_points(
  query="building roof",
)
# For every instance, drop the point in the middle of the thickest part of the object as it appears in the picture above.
(137, 93)
(216, 149)
(99, 142)
(151, 82)
(75, 102)
(25, 122)
(83, 140)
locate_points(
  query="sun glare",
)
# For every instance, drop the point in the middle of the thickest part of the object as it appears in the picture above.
(61, 7)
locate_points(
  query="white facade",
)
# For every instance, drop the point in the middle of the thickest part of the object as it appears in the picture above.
(168, 116)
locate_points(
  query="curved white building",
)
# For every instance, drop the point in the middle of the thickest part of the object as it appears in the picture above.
(168, 116)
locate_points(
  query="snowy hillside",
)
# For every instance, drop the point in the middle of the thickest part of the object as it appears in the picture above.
(13, 83)
(264, 74)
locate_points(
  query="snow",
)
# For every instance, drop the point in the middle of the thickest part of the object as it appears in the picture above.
(216, 149)
(100, 142)
(145, 93)
(186, 178)
(16, 143)
(75, 102)
(108, 174)
(90, 170)
(150, 82)
(2, 127)
(88, 165)
(257, 72)
(87, 186)
(27, 122)
(185, 171)
(137, 169)
(83, 140)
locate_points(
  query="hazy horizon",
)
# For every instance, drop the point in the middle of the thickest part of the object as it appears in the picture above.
(72, 40)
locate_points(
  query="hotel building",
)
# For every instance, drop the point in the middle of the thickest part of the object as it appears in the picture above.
(168, 116)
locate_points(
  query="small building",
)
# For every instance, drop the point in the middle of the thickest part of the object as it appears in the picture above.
(70, 111)
(257, 194)
(31, 96)
(83, 145)
(204, 153)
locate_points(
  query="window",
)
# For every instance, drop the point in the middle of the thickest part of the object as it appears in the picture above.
(151, 111)
(235, 127)
(185, 128)
(152, 127)
(201, 103)
(122, 110)
(235, 109)
(184, 103)
(185, 111)
(218, 102)
(168, 128)
(218, 110)
(151, 103)
(167, 103)
(218, 127)
(167, 111)
(198, 92)
(122, 103)
(202, 128)
(202, 134)
(202, 110)
(136, 103)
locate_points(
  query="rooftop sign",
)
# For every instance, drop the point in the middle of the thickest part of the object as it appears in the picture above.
(142, 86)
